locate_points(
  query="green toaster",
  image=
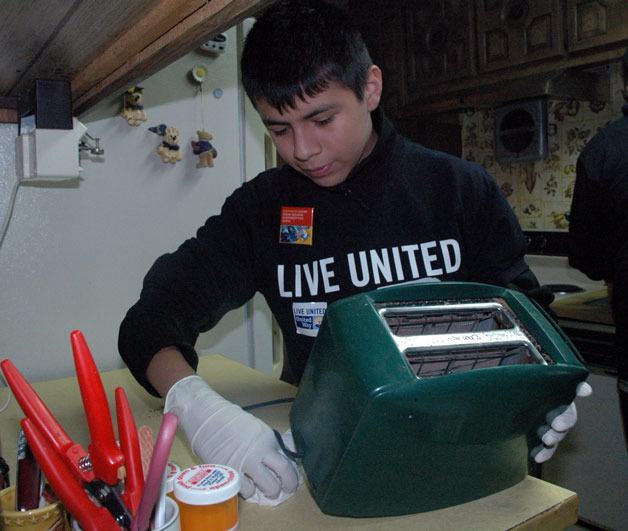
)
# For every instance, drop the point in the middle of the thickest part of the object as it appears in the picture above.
(426, 395)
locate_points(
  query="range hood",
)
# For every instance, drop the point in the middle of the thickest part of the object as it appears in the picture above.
(591, 84)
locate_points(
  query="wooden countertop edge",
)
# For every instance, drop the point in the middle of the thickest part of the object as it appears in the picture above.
(556, 518)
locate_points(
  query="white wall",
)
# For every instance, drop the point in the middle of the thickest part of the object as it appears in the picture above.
(75, 255)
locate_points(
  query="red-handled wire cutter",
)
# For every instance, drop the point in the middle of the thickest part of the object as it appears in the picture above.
(130, 444)
(100, 471)
(76, 471)
(104, 454)
(111, 463)
(69, 491)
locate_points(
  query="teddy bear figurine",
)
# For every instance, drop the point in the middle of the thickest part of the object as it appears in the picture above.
(205, 151)
(169, 149)
(133, 107)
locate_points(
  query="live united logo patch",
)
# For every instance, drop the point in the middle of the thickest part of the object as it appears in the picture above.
(296, 225)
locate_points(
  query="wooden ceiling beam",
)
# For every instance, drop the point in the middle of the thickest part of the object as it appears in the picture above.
(8, 110)
(161, 18)
(130, 58)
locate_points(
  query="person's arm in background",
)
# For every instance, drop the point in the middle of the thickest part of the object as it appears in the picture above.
(185, 293)
(528, 284)
(591, 247)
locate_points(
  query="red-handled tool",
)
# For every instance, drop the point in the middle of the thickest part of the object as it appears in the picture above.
(104, 453)
(130, 444)
(74, 455)
(34, 408)
(65, 485)
(28, 480)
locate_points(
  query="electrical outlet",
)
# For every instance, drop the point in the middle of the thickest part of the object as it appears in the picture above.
(216, 45)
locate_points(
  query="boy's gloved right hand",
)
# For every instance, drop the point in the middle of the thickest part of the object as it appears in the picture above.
(220, 432)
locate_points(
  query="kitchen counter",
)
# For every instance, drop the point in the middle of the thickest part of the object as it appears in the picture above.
(589, 306)
(532, 504)
(587, 320)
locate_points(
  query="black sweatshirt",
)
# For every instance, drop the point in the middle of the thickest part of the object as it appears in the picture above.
(404, 213)
(598, 223)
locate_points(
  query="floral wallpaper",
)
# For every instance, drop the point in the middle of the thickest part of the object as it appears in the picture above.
(540, 192)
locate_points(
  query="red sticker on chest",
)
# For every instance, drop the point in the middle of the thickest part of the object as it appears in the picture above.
(296, 225)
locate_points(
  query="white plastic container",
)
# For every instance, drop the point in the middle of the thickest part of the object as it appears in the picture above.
(208, 498)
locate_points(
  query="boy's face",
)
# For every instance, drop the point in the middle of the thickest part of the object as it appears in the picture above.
(325, 136)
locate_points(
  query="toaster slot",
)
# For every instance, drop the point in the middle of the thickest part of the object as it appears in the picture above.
(451, 361)
(446, 319)
(448, 338)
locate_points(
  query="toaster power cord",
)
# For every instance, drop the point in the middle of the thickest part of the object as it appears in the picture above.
(292, 455)
(280, 441)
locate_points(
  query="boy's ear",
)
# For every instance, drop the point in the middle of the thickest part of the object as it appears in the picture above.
(373, 87)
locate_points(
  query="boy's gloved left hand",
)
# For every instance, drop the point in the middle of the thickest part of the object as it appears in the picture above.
(559, 422)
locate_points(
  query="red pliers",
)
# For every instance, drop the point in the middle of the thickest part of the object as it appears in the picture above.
(111, 463)
(69, 468)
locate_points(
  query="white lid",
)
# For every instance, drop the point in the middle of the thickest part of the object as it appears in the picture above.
(206, 484)
(172, 471)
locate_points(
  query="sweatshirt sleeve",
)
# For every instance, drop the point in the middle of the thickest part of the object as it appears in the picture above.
(188, 291)
(590, 243)
(493, 236)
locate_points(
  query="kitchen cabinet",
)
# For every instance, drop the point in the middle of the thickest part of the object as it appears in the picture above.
(440, 42)
(440, 55)
(596, 23)
(515, 32)
(381, 29)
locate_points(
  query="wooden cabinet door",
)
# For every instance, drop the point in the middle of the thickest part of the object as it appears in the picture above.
(439, 42)
(382, 30)
(514, 32)
(596, 23)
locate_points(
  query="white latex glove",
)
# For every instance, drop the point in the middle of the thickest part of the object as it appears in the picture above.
(220, 432)
(258, 497)
(559, 422)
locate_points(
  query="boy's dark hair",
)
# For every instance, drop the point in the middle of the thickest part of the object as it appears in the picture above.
(297, 47)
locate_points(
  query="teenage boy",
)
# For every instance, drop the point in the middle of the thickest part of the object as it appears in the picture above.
(355, 207)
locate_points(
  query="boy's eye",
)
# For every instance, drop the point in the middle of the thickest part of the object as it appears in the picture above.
(324, 121)
(279, 132)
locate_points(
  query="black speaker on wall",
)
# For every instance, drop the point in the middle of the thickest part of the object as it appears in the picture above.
(46, 105)
(521, 131)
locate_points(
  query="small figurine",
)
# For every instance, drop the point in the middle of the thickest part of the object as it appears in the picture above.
(133, 109)
(168, 150)
(205, 151)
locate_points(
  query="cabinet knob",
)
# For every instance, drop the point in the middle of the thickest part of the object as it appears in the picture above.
(515, 12)
(436, 38)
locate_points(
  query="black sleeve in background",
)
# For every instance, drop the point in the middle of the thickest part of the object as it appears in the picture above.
(528, 284)
(589, 242)
(493, 237)
(188, 291)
